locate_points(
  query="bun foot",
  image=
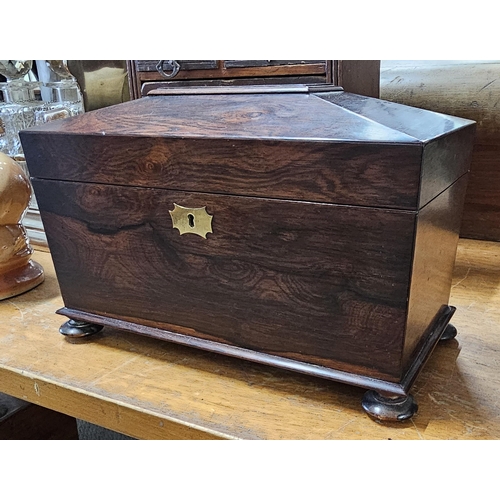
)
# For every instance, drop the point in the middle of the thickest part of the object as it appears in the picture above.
(74, 328)
(449, 333)
(387, 409)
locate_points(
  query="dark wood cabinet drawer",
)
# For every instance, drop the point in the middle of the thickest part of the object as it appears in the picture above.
(152, 66)
(144, 75)
(360, 77)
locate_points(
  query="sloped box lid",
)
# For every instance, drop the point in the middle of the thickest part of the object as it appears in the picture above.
(307, 143)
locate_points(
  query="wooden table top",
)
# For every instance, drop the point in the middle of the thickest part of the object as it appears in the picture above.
(150, 389)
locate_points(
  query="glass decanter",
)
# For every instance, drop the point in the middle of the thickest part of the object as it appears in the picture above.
(62, 88)
(11, 121)
(20, 105)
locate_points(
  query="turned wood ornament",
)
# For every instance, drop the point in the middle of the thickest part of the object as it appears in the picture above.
(18, 273)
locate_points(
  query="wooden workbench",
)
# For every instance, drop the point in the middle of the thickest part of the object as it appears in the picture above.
(150, 389)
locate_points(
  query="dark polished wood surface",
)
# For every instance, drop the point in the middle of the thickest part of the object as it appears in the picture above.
(446, 155)
(315, 211)
(357, 77)
(313, 282)
(421, 124)
(340, 173)
(260, 145)
(436, 240)
(299, 116)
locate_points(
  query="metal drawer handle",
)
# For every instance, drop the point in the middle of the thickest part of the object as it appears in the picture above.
(175, 68)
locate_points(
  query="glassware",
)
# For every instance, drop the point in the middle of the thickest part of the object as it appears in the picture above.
(20, 105)
(11, 121)
(62, 88)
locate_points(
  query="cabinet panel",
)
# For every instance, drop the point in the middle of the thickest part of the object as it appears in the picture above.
(167, 66)
(253, 64)
(144, 75)
(359, 77)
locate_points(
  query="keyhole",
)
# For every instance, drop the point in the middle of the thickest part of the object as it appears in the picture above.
(191, 220)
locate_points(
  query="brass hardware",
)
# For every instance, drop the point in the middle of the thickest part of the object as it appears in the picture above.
(191, 220)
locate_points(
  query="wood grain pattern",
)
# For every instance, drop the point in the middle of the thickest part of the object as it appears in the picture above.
(445, 160)
(446, 139)
(233, 63)
(150, 65)
(318, 172)
(192, 338)
(314, 219)
(282, 117)
(322, 280)
(290, 146)
(151, 389)
(133, 85)
(415, 122)
(313, 150)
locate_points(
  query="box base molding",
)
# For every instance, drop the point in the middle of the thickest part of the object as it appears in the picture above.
(391, 400)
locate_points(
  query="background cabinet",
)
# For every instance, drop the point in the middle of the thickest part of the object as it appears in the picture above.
(361, 77)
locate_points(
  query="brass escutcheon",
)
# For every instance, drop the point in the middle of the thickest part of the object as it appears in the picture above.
(191, 220)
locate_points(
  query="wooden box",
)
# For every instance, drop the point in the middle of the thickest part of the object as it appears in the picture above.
(301, 227)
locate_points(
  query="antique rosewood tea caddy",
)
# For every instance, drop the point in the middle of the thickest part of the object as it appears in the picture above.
(301, 227)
